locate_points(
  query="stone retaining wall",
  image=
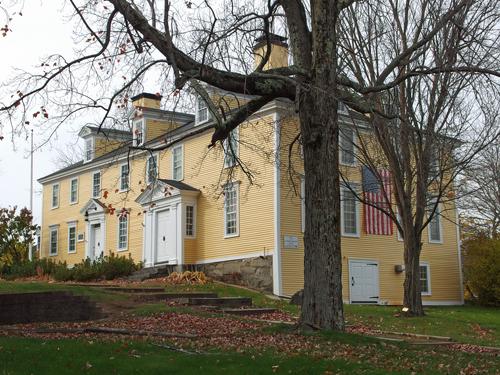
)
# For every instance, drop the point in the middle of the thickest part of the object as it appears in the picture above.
(255, 273)
(46, 307)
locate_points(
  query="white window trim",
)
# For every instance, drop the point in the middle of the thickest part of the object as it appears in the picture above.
(72, 225)
(429, 292)
(53, 228)
(237, 190)
(354, 143)
(342, 108)
(181, 146)
(52, 196)
(157, 159)
(303, 204)
(194, 221)
(143, 127)
(92, 147)
(197, 119)
(118, 249)
(128, 178)
(100, 184)
(70, 190)
(356, 205)
(236, 134)
(437, 214)
(398, 233)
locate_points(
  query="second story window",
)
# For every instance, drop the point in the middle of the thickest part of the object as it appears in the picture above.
(89, 149)
(151, 169)
(346, 143)
(55, 196)
(349, 213)
(434, 227)
(177, 163)
(124, 177)
(96, 185)
(231, 149)
(73, 191)
(201, 111)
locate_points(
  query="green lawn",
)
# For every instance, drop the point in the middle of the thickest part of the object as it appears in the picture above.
(468, 324)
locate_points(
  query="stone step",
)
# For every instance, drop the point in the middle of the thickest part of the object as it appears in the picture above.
(136, 290)
(152, 272)
(251, 311)
(221, 301)
(170, 296)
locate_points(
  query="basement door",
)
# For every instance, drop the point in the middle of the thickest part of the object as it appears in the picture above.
(165, 237)
(363, 281)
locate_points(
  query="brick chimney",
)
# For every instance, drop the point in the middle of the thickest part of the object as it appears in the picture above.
(279, 51)
(146, 100)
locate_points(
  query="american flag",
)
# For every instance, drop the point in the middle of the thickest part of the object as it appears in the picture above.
(377, 222)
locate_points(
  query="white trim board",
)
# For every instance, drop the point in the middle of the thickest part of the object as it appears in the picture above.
(442, 303)
(236, 257)
(277, 281)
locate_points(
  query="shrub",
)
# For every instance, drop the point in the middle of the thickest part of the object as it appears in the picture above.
(61, 272)
(115, 266)
(87, 270)
(482, 269)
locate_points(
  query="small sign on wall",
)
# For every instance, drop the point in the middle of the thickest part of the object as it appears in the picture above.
(290, 242)
(80, 237)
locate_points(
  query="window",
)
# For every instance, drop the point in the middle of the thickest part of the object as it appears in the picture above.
(425, 279)
(89, 149)
(54, 234)
(96, 184)
(138, 132)
(122, 232)
(73, 191)
(201, 111)
(347, 154)
(151, 169)
(434, 227)
(177, 163)
(71, 237)
(400, 235)
(342, 107)
(349, 213)
(231, 149)
(231, 210)
(124, 177)
(190, 221)
(55, 196)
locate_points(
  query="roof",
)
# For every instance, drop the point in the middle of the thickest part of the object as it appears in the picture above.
(146, 95)
(106, 131)
(178, 184)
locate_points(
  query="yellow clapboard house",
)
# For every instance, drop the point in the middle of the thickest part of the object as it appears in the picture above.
(187, 205)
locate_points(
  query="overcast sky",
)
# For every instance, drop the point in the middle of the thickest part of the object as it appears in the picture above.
(41, 31)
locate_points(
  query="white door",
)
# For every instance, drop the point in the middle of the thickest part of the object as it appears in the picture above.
(97, 245)
(163, 250)
(363, 281)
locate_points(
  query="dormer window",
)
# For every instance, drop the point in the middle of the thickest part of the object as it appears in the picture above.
(89, 149)
(342, 107)
(201, 111)
(138, 132)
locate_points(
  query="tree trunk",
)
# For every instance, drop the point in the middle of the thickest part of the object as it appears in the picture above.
(412, 296)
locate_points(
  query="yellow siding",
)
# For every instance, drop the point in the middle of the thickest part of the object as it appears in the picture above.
(156, 128)
(103, 146)
(387, 250)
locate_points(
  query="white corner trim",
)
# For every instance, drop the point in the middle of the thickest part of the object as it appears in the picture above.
(459, 254)
(277, 282)
(255, 254)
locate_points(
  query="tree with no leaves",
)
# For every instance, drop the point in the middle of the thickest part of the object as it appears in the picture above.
(123, 39)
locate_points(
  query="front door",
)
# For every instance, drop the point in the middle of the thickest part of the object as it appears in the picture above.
(363, 281)
(163, 250)
(96, 241)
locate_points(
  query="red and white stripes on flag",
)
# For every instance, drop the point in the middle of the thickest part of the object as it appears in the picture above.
(377, 190)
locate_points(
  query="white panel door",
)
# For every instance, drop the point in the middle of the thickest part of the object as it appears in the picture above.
(97, 245)
(163, 222)
(363, 279)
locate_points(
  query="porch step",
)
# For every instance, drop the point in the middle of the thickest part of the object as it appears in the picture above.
(170, 296)
(251, 311)
(152, 272)
(221, 301)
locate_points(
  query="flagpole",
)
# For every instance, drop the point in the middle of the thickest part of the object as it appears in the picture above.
(30, 249)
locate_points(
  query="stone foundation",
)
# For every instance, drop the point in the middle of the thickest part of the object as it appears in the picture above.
(255, 273)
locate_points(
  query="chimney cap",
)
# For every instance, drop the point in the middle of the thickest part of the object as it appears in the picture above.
(273, 39)
(146, 95)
